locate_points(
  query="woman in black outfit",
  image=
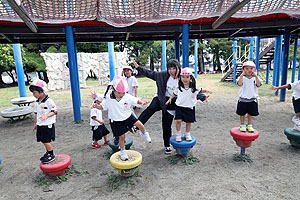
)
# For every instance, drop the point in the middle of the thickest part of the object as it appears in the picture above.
(166, 82)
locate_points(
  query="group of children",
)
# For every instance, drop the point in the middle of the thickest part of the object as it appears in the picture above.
(121, 96)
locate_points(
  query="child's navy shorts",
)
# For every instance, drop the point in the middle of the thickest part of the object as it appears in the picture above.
(45, 134)
(247, 107)
(185, 114)
(121, 127)
(100, 132)
(296, 104)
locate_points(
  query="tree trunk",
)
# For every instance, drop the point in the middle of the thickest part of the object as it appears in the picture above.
(46, 77)
(10, 74)
(27, 77)
(151, 63)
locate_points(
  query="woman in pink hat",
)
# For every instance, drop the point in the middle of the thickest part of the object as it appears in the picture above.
(118, 104)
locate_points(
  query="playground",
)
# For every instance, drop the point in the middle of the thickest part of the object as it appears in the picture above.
(273, 172)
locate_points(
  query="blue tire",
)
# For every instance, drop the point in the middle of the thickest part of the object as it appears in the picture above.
(183, 143)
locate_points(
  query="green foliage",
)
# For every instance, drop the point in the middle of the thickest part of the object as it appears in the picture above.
(45, 181)
(51, 49)
(7, 62)
(92, 47)
(115, 181)
(189, 159)
(242, 158)
(35, 62)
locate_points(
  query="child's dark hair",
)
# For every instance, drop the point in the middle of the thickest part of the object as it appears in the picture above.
(35, 88)
(192, 84)
(174, 63)
(107, 88)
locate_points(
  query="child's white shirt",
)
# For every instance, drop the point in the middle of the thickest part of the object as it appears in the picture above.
(44, 107)
(119, 110)
(249, 89)
(186, 98)
(132, 82)
(95, 113)
(171, 86)
(296, 87)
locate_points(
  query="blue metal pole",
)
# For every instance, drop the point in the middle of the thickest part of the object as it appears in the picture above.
(268, 72)
(257, 53)
(177, 49)
(196, 57)
(234, 60)
(78, 82)
(299, 70)
(73, 73)
(275, 61)
(164, 55)
(185, 45)
(285, 63)
(111, 60)
(243, 150)
(19, 70)
(251, 48)
(279, 58)
(295, 58)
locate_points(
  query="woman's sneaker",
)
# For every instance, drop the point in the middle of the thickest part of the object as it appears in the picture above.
(168, 150)
(123, 155)
(47, 159)
(243, 128)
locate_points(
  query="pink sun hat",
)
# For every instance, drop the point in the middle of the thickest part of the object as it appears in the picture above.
(249, 64)
(186, 71)
(40, 83)
(120, 84)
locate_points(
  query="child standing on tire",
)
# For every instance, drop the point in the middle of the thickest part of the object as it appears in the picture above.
(296, 100)
(44, 118)
(186, 93)
(118, 104)
(247, 103)
(97, 124)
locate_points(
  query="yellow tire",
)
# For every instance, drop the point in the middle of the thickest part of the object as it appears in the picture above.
(134, 160)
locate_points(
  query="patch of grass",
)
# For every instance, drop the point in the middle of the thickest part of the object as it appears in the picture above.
(242, 158)
(189, 159)
(45, 180)
(115, 181)
(107, 155)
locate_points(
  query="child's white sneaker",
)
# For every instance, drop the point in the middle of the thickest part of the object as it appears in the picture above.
(188, 136)
(123, 154)
(178, 137)
(296, 120)
(146, 137)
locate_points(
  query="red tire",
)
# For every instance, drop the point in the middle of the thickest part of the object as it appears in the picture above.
(58, 166)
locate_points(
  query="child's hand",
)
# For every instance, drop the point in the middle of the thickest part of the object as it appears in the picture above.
(206, 99)
(44, 117)
(169, 101)
(209, 92)
(135, 64)
(145, 102)
(93, 95)
(274, 88)
(35, 127)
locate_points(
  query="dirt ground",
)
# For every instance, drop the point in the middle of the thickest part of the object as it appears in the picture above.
(273, 174)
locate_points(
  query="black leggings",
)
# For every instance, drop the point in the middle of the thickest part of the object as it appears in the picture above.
(167, 118)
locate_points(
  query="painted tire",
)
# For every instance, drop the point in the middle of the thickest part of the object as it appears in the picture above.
(128, 143)
(58, 166)
(237, 134)
(134, 160)
(294, 136)
(22, 100)
(16, 111)
(183, 143)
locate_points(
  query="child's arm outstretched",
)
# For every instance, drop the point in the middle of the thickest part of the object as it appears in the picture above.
(170, 99)
(280, 87)
(142, 102)
(98, 120)
(206, 91)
